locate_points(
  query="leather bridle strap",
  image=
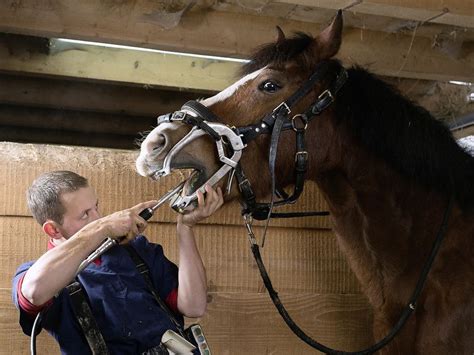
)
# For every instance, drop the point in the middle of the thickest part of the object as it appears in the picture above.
(265, 126)
(406, 312)
(278, 121)
(280, 117)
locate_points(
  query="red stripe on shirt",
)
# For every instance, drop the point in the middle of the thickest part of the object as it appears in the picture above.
(25, 304)
(29, 307)
(172, 300)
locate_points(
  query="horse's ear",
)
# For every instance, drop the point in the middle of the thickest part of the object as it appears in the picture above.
(280, 35)
(329, 40)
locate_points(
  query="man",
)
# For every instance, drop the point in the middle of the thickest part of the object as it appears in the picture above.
(127, 315)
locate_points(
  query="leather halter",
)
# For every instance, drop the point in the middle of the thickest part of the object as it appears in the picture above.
(199, 116)
(276, 122)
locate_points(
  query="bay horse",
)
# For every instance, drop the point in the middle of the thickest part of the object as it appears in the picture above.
(387, 169)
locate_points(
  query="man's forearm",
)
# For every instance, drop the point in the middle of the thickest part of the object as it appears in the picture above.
(56, 268)
(192, 292)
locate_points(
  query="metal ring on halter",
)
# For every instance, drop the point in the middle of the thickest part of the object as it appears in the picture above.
(304, 121)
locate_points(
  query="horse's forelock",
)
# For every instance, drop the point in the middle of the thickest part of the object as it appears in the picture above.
(279, 53)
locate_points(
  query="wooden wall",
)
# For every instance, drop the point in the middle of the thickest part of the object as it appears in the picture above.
(306, 266)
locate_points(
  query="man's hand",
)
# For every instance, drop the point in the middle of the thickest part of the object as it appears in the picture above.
(206, 207)
(126, 223)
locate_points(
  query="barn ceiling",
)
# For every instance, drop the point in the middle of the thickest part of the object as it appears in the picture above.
(418, 45)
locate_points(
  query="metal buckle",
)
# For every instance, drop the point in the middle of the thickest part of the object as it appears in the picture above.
(325, 95)
(170, 117)
(304, 120)
(178, 116)
(303, 153)
(288, 111)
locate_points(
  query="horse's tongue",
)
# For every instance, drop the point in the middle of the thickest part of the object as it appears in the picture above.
(188, 184)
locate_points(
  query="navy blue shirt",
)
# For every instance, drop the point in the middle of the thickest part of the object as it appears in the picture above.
(127, 315)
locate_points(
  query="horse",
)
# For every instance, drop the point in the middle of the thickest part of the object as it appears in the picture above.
(387, 169)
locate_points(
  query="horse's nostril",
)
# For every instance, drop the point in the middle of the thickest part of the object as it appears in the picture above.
(156, 144)
(160, 141)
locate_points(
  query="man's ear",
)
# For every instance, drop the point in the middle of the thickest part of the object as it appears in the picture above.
(51, 229)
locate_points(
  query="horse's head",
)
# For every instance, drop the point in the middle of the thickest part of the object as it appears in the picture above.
(274, 74)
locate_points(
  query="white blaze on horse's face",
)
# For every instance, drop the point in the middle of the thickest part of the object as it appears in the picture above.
(224, 94)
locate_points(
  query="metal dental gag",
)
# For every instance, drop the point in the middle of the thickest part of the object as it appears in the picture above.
(225, 139)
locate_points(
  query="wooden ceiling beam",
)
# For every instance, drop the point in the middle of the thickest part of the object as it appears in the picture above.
(55, 136)
(59, 126)
(90, 96)
(450, 12)
(78, 121)
(119, 65)
(213, 32)
(464, 132)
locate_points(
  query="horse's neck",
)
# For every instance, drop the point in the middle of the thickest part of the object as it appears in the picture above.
(382, 223)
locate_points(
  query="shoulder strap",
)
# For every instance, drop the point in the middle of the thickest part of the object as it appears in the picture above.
(143, 269)
(86, 319)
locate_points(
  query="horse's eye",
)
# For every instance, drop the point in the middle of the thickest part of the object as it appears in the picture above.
(269, 86)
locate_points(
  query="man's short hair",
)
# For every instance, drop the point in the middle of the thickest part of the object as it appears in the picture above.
(44, 194)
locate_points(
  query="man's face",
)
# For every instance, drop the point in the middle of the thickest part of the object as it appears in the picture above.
(81, 208)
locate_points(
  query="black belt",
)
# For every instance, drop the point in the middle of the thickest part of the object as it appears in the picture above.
(86, 319)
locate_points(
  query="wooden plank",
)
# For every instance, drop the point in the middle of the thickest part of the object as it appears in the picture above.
(90, 96)
(325, 4)
(450, 12)
(238, 323)
(11, 336)
(129, 66)
(249, 323)
(401, 56)
(455, 20)
(454, 7)
(222, 33)
(352, 18)
(57, 136)
(298, 260)
(113, 173)
(464, 132)
(74, 121)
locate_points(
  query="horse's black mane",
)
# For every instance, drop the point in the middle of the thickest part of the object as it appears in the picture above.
(405, 135)
(398, 131)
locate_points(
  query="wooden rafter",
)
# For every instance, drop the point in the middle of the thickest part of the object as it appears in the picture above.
(225, 33)
(120, 65)
(450, 12)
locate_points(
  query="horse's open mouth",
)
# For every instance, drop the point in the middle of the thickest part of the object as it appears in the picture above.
(195, 179)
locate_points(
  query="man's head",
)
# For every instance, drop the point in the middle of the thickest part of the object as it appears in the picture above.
(62, 202)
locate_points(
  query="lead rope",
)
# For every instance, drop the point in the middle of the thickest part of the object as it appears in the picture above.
(407, 311)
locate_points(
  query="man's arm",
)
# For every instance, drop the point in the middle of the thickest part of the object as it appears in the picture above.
(192, 290)
(56, 268)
